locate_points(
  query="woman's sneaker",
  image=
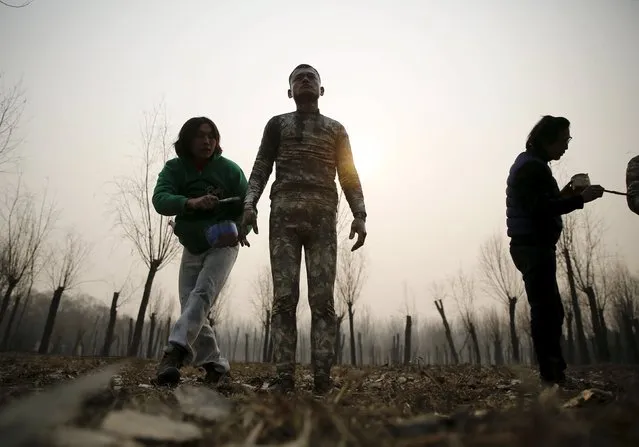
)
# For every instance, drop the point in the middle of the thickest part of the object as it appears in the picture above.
(168, 372)
(213, 376)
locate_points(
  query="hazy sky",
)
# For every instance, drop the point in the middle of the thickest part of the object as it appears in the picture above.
(437, 96)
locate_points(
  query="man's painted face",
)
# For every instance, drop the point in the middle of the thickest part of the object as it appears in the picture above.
(305, 82)
(204, 142)
(557, 149)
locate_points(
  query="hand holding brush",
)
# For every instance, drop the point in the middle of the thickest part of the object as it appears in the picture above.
(618, 193)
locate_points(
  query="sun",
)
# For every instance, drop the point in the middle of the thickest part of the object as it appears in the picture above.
(367, 156)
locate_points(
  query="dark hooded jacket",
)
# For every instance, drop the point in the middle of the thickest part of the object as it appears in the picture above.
(534, 205)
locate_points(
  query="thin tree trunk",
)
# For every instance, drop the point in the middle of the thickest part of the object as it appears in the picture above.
(582, 344)
(25, 306)
(267, 337)
(149, 349)
(246, 347)
(94, 336)
(514, 338)
(130, 336)
(499, 352)
(6, 298)
(48, 327)
(338, 341)
(78, 342)
(235, 342)
(270, 349)
(139, 323)
(408, 339)
(360, 349)
(475, 341)
(7, 331)
(570, 338)
(601, 338)
(113, 316)
(449, 336)
(351, 315)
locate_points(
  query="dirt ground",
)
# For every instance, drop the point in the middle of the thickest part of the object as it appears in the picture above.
(385, 406)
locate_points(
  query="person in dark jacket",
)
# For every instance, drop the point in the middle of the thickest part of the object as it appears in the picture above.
(534, 206)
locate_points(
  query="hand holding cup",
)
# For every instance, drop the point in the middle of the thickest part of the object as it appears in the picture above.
(580, 182)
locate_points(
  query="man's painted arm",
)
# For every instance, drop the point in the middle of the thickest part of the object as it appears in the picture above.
(263, 165)
(348, 176)
(632, 184)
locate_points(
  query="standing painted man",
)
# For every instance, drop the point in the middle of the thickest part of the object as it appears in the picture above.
(632, 184)
(307, 149)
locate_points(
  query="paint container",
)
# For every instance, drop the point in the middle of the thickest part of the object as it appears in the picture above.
(222, 234)
(580, 182)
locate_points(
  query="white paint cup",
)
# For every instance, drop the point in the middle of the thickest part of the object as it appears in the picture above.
(580, 181)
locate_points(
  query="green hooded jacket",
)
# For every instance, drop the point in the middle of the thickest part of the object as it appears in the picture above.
(181, 179)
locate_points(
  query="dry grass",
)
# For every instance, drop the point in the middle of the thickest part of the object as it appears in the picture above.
(448, 406)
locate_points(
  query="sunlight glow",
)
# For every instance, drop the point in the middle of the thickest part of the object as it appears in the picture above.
(367, 153)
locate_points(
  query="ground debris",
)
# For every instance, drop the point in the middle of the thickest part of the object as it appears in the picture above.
(145, 427)
(461, 405)
(203, 403)
(80, 437)
(592, 395)
(28, 419)
(432, 424)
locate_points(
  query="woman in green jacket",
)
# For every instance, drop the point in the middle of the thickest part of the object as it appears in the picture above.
(205, 191)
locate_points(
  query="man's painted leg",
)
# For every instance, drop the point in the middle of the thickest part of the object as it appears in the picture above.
(321, 259)
(286, 255)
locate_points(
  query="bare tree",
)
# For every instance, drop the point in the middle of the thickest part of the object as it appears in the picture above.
(587, 255)
(410, 313)
(148, 231)
(625, 288)
(494, 329)
(463, 291)
(439, 293)
(523, 322)
(25, 224)
(565, 257)
(119, 291)
(23, 294)
(351, 275)
(12, 101)
(63, 269)
(503, 282)
(263, 303)
(164, 315)
(365, 332)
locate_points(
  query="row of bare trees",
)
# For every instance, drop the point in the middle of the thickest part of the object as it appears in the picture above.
(472, 332)
(28, 222)
(487, 325)
(35, 249)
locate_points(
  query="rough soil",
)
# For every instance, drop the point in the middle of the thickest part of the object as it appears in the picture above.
(384, 406)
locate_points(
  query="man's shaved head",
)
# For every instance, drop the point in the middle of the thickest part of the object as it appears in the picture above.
(303, 67)
(305, 84)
